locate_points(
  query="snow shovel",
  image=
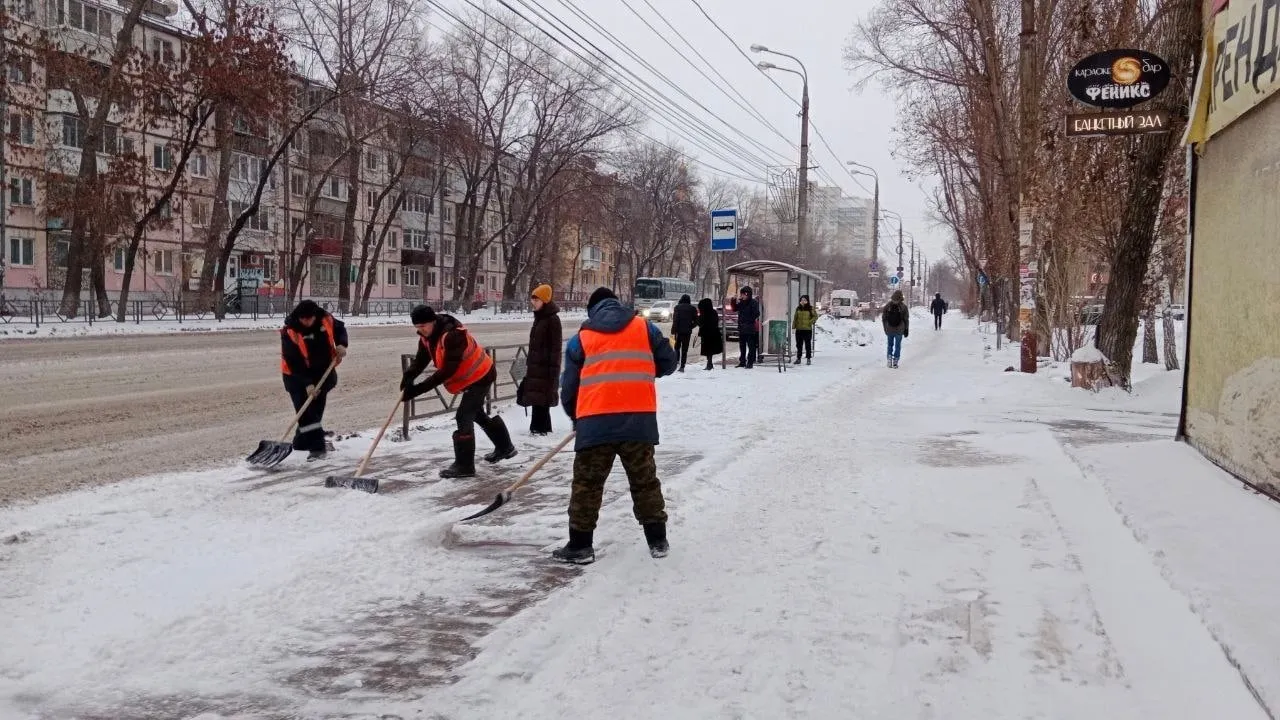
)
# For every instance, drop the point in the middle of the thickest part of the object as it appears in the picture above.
(505, 495)
(272, 452)
(355, 482)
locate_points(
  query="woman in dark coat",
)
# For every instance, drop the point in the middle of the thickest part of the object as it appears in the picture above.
(540, 388)
(709, 335)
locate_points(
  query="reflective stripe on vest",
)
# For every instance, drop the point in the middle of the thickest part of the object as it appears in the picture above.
(298, 339)
(618, 372)
(475, 363)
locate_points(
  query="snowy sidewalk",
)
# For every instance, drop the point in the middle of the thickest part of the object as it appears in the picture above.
(848, 541)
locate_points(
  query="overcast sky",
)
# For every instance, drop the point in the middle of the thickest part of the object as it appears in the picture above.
(857, 125)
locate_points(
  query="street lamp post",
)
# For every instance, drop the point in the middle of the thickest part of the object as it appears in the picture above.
(875, 209)
(900, 246)
(802, 199)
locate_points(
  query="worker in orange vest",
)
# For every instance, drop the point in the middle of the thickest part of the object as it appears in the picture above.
(463, 368)
(310, 339)
(608, 390)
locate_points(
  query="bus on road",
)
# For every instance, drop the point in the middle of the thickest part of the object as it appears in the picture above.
(844, 303)
(650, 290)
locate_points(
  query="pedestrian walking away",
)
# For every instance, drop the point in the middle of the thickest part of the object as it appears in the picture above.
(610, 392)
(683, 320)
(897, 325)
(310, 339)
(463, 368)
(803, 320)
(939, 308)
(710, 337)
(748, 309)
(540, 387)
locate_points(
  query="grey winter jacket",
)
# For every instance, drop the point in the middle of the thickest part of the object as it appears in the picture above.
(903, 327)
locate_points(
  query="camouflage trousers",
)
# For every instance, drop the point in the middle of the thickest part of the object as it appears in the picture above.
(591, 467)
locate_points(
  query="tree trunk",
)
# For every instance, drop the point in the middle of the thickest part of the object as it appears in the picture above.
(98, 279)
(1178, 41)
(1149, 354)
(1170, 341)
(349, 229)
(223, 136)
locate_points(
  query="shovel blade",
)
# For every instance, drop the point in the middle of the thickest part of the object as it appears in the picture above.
(497, 503)
(270, 453)
(369, 485)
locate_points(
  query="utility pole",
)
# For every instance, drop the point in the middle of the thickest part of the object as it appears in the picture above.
(802, 219)
(875, 207)
(1028, 110)
(913, 268)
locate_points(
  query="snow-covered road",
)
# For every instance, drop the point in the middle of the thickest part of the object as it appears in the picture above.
(848, 541)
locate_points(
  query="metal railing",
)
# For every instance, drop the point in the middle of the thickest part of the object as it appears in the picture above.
(505, 359)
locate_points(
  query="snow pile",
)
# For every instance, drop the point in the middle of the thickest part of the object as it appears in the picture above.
(18, 329)
(844, 332)
(1088, 354)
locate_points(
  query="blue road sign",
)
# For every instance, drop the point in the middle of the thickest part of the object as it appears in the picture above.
(894, 280)
(724, 230)
(982, 278)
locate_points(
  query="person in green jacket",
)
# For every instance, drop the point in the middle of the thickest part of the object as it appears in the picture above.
(803, 321)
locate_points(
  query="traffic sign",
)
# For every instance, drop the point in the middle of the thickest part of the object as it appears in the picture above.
(873, 274)
(982, 278)
(873, 266)
(894, 280)
(724, 230)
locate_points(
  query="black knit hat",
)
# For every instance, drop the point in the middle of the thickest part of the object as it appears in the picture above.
(422, 314)
(748, 291)
(599, 295)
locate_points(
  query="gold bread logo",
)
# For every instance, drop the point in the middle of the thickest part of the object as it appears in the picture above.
(1126, 71)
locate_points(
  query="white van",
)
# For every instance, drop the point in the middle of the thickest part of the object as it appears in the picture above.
(844, 303)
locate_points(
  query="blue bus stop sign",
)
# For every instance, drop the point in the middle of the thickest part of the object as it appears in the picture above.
(724, 230)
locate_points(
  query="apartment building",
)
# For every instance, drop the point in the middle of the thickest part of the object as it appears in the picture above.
(44, 138)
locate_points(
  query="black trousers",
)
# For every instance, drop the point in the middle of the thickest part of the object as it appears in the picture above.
(471, 405)
(748, 348)
(937, 321)
(310, 432)
(804, 344)
(541, 422)
(682, 346)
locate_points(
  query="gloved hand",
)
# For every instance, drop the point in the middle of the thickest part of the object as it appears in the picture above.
(311, 389)
(906, 333)
(406, 381)
(414, 391)
(341, 355)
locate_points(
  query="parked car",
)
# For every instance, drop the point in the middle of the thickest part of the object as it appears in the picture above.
(661, 311)
(1179, 312)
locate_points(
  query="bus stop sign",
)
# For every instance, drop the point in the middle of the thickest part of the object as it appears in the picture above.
(724, 230)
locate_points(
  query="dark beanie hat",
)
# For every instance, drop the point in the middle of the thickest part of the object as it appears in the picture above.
(748, 291)
(599, 295)
(422, 314)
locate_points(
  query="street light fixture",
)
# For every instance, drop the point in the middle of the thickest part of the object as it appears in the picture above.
(802, 212)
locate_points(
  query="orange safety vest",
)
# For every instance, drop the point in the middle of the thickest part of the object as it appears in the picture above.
(327, 323)
(475, 364)
(618, 372)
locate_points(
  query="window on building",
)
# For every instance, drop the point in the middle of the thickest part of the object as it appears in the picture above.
(162, 262)
(161, 157)
(270, 268)
(19, 70)
(391, 241)
(431, 278)
(372, 160)
(161, 50)
(493, 254)
(448, 247)
(198, 165)
(412, 277)
(22, 252)
(325, 272)
(23, 9)
(247, 168)
(84, 17)
(74, 132)
(22, 191)
(199, 212)
(165, 211)
(417, 203)
(61, 249)
(119, 259)
(257, 221)
(335, 189)
(392, 276)
(297, 184)
(493, 282)
(22, 129)
(446, 212)
(415, 239)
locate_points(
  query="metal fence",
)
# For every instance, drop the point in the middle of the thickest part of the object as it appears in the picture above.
(39, 312)
(506, 358)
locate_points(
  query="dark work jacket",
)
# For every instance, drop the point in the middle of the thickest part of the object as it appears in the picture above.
(748, 316)
(610, 316)
(447, 330)
(684, 319)
(318, 350)
(541, 384)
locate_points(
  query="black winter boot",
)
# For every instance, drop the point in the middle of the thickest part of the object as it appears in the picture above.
(464, 457)
(501, 438)
(578, 550)
(656, 535)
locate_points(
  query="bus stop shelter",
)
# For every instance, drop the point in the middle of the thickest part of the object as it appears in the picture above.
(778, 286)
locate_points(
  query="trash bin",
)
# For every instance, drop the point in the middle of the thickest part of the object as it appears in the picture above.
(777, 337)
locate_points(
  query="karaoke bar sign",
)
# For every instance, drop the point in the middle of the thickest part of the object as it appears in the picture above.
(1118, 79)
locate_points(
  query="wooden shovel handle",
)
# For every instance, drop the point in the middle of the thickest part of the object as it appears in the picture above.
(378, 438)
(310, 398)
(538, 465)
